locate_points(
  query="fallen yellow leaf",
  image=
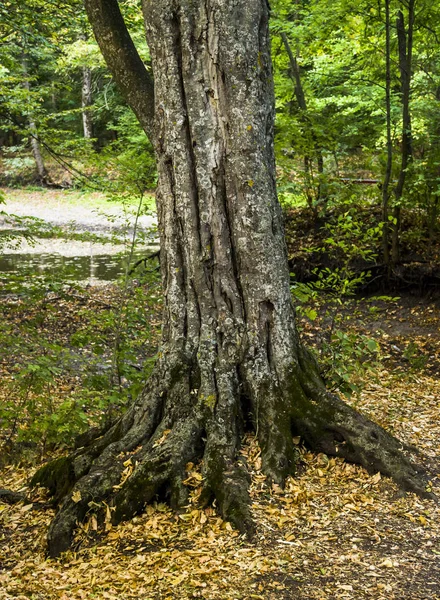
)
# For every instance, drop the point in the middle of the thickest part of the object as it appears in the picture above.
(76, 496)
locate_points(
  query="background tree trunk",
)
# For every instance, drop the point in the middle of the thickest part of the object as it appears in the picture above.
(389, 146)
(86, 102)
(42, 175)
(86, 99)
(405, 40)
(230, 357)
(313, 199)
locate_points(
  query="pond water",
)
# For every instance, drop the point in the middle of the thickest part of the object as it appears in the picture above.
(64, 259)
(90, 269)
(85, 262)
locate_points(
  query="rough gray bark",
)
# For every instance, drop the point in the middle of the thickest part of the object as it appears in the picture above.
(230, 355)
(125, 64)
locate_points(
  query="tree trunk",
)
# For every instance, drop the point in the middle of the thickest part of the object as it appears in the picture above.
(230, 357)
(86, 102)
(308, 162)
(86, 99)
(42, 175)
(432, 199)
(389, 162)
(36, 151)
(405, 42)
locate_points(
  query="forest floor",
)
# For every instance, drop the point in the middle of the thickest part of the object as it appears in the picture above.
(335, 531)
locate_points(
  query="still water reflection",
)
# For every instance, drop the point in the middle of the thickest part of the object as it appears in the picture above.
(91, 269)
(84, 262)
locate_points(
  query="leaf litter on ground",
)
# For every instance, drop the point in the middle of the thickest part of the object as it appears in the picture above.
(334, 532)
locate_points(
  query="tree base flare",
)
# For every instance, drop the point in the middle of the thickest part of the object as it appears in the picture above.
(145, 454)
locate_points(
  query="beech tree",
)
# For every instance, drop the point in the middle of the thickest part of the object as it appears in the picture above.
(230, 357)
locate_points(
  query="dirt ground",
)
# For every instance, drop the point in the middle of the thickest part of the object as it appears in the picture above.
(335, 532)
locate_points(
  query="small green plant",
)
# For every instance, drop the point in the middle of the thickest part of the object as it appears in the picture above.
(415, 356)
(349, 240)
(61, 383)
(345, 356)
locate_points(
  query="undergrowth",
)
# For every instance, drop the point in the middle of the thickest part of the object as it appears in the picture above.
(73, 357)
(345, 355)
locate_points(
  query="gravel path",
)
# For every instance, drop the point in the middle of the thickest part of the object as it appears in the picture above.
(60, 207)
(78, 212)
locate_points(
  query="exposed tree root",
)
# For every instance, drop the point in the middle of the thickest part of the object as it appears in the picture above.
(331, 426)
(338, 430)
(171, 425)
(11, 497)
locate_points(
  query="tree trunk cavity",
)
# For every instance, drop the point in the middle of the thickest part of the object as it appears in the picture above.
(230, 357)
